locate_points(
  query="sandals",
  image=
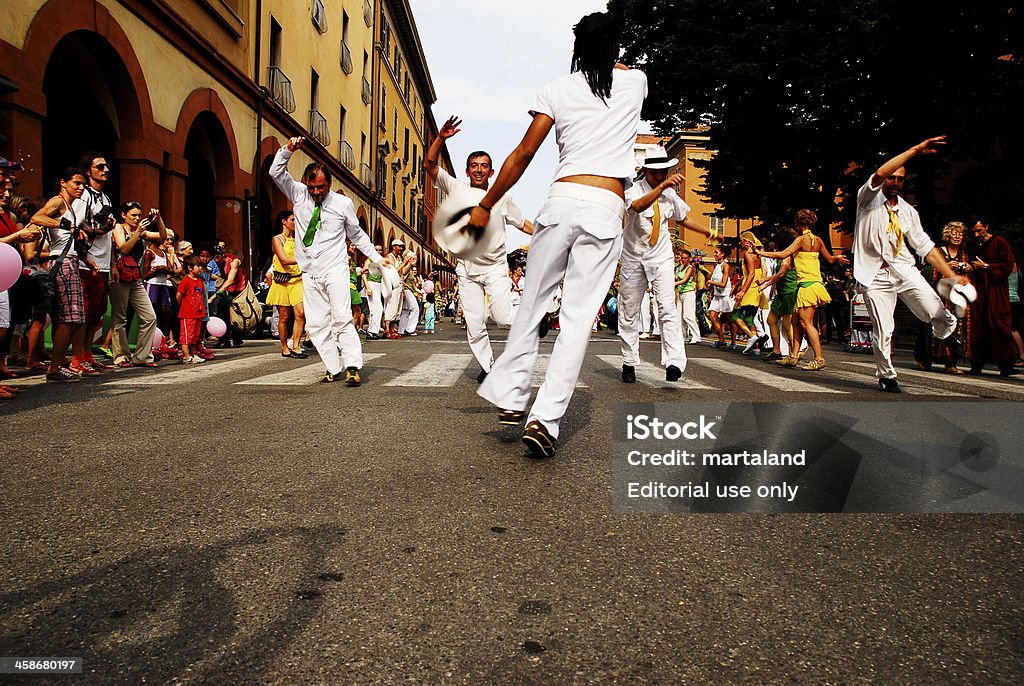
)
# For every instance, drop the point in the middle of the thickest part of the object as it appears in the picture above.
(955, 371)
(144, 364)
(815, 364)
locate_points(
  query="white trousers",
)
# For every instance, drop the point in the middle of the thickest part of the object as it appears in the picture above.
(410, 313)
(687, 304)
(560, 249)
(393, 304)
(918, 296)
(490, 288)
(328, 302)
(632, 290)
(376, 303)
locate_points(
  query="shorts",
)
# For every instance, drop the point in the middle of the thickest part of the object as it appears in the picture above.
(95, 287)
(191, 331)
(160, 295)
(70, 300)
(285, 294)
(745, 313)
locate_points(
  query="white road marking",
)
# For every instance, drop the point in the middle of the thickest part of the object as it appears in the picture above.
(192, 372)
(652, 375)
(776, 380)
(440, 370)
(989, 384)
(299, 376)
(540, 369)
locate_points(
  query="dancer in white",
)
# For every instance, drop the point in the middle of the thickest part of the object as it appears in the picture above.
(324, 220)
(484, 276)
(883, 266)
(373, 282)
(595, 112)
(647, 257)
(722, 301)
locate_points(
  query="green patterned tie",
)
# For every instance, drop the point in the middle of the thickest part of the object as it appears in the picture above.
(314, 224)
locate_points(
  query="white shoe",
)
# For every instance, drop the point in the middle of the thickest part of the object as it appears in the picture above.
(195, 359)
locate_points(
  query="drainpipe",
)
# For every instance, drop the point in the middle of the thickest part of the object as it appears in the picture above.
(254, 205)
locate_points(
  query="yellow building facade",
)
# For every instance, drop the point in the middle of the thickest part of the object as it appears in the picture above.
(190, 99)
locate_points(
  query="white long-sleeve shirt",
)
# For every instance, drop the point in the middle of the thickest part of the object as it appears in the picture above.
(338, 222)
(636, 237)
(494, 253)
(872, 246)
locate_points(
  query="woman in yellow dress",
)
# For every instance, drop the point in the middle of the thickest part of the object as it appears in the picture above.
(286, 291)
(749, 298)
(811, 293)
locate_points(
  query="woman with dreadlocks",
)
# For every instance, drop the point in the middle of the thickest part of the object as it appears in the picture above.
(595, 112)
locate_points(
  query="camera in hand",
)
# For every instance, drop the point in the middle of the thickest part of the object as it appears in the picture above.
(103, 218)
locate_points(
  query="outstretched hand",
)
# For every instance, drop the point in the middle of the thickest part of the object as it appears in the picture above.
(294, 143)
(450, 127)
(930, 146)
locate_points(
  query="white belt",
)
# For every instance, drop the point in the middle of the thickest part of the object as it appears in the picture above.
(598, 196)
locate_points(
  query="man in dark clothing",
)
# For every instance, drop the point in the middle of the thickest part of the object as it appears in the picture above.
(991, 337)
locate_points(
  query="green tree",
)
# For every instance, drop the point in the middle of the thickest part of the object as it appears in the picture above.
(805, 97)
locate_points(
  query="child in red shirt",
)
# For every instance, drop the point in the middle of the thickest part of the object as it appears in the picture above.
(191, 298)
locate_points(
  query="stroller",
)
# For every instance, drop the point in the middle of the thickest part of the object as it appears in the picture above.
(861, 337)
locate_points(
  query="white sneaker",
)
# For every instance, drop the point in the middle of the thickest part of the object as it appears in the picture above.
(195, 359)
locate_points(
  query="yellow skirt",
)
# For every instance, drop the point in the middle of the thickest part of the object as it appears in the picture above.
(285, 294)
(812, 295)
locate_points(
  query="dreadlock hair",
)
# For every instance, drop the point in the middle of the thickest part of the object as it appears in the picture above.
(595, 50)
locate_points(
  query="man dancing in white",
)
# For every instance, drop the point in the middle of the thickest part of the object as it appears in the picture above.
(487, 274)
(888, 233)
(647, 256)
(324, 220)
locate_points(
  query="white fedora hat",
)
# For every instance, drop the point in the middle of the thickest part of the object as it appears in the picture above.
(657, 158)
(451, 221)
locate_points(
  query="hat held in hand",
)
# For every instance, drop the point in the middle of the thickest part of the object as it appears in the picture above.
(451, 224)
(959, 297)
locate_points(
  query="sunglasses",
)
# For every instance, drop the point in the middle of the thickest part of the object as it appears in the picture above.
(101, 167)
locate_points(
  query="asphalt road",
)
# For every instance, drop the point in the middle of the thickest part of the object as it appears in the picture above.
(239, 523)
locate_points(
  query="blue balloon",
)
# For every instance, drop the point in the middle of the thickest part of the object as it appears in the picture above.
(613, 305)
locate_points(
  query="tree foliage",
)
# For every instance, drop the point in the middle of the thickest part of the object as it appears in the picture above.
(798, 92)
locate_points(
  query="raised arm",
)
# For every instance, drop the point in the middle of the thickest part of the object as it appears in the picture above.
(512, 169)
(925, 147)
(279, 170)
(449, 129)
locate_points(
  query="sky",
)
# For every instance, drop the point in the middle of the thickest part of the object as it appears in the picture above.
(488, 59)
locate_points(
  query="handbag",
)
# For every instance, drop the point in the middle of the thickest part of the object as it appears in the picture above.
(45, 280)
(246, 311)
(128, 270)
